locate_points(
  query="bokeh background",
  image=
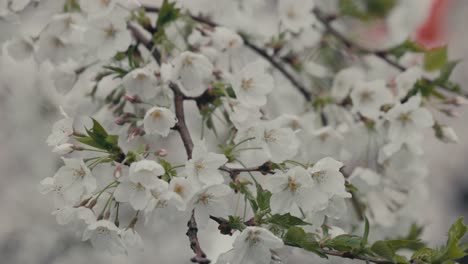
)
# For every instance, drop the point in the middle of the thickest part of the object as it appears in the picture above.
(29, 233)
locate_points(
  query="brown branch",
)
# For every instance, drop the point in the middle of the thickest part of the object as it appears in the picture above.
(277, 65)
(200, 256)
(181, 126)
(383, 55)
(234, 172)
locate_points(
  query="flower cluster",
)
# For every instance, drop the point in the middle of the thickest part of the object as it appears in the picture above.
(232, 117)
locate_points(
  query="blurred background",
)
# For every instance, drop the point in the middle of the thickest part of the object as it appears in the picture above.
(29, 233)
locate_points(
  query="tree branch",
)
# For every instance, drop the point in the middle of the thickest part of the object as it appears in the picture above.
(277, 65)
(200, 256)
(234, 172)
(181, 126)
(148, 43)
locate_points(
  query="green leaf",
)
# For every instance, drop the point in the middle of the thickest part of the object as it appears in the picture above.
(379, 8)
(344, 242)
(456, 233)
(402, 243)
(446, 71)
(100, 139)
(296, 236)
(167, 13)
(383, 249)
(286, 220)
(366, 233)
(88, 141)
(435, 59)
(425, 254)
(407, 46)
(263, 198)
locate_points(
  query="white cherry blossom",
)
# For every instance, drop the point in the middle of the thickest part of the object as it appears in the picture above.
(159, 120)
(252, 84)
(293, 192)
(140, 82)
(252, 246)
(105, 236)
(204, 165)
(368, 97)
(191, 72)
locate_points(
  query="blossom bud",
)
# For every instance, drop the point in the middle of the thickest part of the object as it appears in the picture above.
(125, 118)
(137, 131)
(134, 99)
(118, 171)
(92, 204)
(448, 135)
(161, 152)
(63, 149)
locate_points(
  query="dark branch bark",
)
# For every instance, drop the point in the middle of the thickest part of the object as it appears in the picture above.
(181, 126)
(234, 172)
(200, 256)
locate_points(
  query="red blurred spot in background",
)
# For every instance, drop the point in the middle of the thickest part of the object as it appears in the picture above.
(432, 33)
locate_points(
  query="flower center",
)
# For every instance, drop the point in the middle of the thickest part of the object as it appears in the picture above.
(270, 136)
(102, 230)
(324, 136)
(247, 84)
(291, 13)
(79, 173)
(253, 237)
(318, 176)
(405, 118)
(366, 96)
(293, 185)
(156, 114)
(110, 31)
(188, 61)
(179, 189)
(199, 165)
(204, 198)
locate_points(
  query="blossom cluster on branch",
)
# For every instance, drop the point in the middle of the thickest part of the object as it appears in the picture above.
(270, 118)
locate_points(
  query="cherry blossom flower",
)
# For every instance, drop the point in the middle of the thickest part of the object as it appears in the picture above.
(252, 246)
(191, 72)
(210, 201)
(204, 165)
(252, 84)
(105, 236)
(293, 192)
(159, 120)
(296, 14)
(368, 97)
(140, 82)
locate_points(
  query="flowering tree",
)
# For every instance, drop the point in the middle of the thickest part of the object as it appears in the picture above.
(289, 123)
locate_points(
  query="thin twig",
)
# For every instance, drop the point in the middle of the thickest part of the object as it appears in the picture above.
(200, 256)
(234, 172)
(300, 87)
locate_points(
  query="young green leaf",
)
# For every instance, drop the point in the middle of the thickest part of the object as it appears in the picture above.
(286, 220)
(435, 59)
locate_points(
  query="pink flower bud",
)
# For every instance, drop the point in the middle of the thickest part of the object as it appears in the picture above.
(118, 171)
(161, 152)
(134, 99)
